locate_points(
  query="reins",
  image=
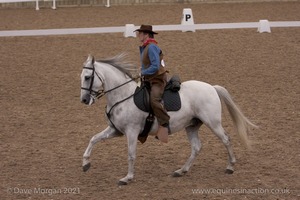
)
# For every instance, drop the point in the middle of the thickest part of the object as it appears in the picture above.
(104, 92)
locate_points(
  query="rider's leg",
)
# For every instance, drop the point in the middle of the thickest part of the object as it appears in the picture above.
(157, 89)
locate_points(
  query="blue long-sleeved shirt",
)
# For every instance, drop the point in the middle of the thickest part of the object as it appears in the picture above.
(153, 53)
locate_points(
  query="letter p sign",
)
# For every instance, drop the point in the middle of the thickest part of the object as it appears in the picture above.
(187, 19)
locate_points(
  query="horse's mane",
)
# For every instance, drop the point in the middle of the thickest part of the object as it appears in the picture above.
(120, 63)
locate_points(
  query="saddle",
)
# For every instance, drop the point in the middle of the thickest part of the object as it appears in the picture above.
(171, 98)
(171, 101)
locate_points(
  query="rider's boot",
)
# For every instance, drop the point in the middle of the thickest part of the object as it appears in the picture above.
(162, 133)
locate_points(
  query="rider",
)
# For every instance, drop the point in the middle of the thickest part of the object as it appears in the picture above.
(154, 72)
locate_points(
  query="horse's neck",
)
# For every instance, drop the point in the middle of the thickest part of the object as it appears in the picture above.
(113, 78)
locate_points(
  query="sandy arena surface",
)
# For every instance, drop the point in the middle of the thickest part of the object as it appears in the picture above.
(45, 129)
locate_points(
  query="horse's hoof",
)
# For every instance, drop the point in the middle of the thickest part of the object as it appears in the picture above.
(176, 174)
(229, 171)
(122, 183)
(86, 167)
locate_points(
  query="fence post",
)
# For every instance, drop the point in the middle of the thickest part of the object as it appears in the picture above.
(54, 5)
(37, 5)
(108, 4)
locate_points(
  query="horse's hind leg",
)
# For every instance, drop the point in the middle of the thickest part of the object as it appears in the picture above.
(105, 134)
(192, 133)
(220, 132)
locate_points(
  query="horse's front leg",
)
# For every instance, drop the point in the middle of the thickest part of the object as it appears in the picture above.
(109, 132)
(132, 142)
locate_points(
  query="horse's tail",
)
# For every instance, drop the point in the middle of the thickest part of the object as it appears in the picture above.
(242, 123)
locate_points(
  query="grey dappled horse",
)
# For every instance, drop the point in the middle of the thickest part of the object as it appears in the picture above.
(201, 104)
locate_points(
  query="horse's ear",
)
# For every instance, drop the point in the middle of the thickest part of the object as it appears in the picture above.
(91, 58)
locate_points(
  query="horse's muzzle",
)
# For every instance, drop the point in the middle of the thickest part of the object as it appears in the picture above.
(87, 99)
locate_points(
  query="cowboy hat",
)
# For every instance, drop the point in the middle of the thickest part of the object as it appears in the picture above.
(146, 29)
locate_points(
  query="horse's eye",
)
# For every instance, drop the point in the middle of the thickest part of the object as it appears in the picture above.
(87, 78)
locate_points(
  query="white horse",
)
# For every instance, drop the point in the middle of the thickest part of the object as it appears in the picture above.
(200, 104)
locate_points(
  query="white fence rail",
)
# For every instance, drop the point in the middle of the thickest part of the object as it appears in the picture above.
(36, 2)
(122, 29)
(67, 31)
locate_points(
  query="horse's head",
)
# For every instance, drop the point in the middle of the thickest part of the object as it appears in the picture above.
(91, 82)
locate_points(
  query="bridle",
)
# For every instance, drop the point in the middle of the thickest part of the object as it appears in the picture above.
(100, 93)
(94, 94)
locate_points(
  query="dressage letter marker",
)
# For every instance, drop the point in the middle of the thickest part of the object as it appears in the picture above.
(187, 20)
(129, 30)
(264, 26)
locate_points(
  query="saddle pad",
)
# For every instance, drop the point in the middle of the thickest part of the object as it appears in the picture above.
(171, 99)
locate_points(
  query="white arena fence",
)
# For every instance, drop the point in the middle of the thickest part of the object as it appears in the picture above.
(127, 30)
(36, 2)
(108, 3)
